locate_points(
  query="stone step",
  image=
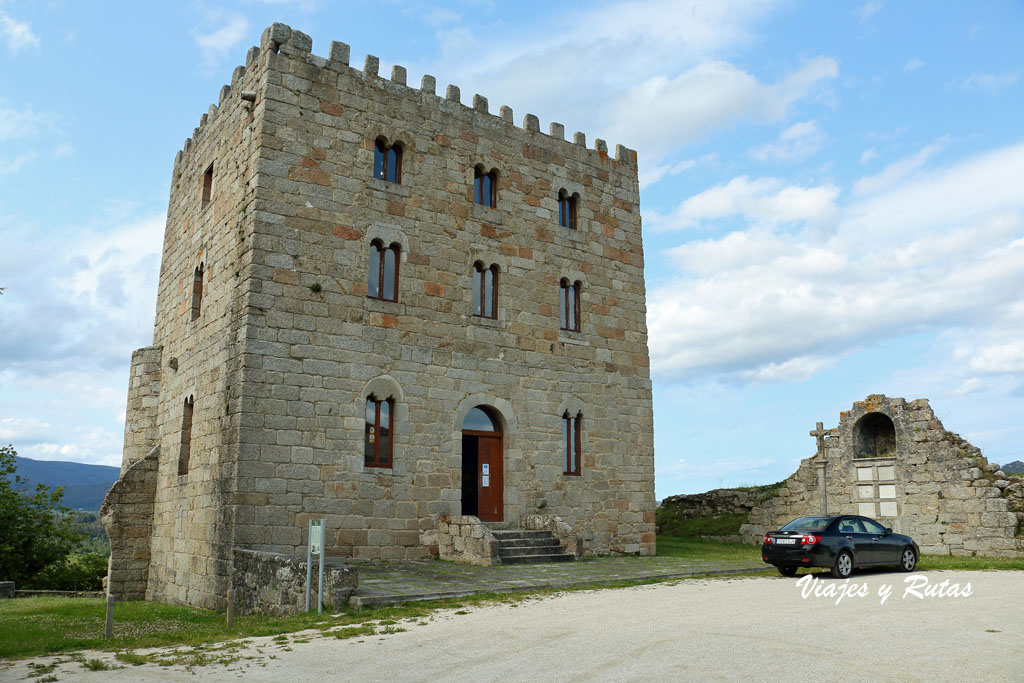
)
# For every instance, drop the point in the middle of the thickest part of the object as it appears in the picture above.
(547, 549)
(528, 542)
(536, 559)
(519, 534)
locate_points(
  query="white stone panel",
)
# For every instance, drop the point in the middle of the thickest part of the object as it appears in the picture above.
(887, 491)
(889, 509)
(866, 509)
(887, 473)
(866, 474)
(865, 491)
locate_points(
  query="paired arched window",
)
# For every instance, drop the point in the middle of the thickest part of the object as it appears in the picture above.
(387, 161)
(485, 290)
(185, 450)
(572, 439)
(382, 278)
(567, 209)
(379, 444)
(485, 187)
(197, 291)
(569, 305)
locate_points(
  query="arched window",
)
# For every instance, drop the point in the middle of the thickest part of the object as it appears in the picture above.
(185, 451)
(485, 187)
(485, 291)
(387, 161)
(382, 276)
(197, 291)
(569, 305)
(567, 209)
(379, 431)
(572, 438)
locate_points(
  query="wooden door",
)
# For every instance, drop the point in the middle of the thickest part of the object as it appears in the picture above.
(490, 479)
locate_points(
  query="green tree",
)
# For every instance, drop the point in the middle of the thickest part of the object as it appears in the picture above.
(35, 529)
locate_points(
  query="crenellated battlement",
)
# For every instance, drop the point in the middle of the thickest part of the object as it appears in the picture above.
(282, 39)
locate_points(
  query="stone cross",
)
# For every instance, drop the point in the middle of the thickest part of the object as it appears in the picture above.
(820, 433)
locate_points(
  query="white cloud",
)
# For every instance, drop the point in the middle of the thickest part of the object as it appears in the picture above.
(937, 250)
(220, 42)
(18, 34)
(868, 9)
(759, 201)
(868, 154)
(899, 170)
(796, 143)
(990, 83)
(913, 64)
(24, 123)
(11, 166)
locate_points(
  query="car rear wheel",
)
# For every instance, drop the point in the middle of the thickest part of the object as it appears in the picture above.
(787, 571)
(908, 560)
(843, 566)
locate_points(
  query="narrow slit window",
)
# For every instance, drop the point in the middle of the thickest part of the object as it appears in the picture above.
(485, 187)
(378, 440)
(382, 275)
(567, 209)
(485, 291)
(197, 292)
(569, 305)
(185, 451)
(207, 186)
(387, 161)
(572, 437)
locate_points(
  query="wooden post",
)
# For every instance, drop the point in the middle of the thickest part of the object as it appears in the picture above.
(108, 629)
(231, 607)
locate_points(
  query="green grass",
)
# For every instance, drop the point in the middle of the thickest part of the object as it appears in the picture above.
(699, 548)
(969, 563)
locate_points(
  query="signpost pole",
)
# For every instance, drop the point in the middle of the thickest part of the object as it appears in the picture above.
(309, 562)
(320, 591)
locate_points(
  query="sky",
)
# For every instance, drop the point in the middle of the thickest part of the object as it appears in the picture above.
(831, 196)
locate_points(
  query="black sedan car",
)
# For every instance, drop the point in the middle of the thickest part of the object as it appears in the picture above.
(840, 543)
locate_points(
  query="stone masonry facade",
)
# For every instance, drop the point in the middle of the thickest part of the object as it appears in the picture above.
(893, 460)
(266, 346)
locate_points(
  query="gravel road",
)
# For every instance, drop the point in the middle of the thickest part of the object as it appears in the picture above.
(748, 629)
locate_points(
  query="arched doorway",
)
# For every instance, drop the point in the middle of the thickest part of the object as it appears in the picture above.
(874, 436)
(482, 473)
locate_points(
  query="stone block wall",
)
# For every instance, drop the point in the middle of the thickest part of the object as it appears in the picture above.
(570, 541)
(465, 539)
(317, 346)
(933, 485)
(270, 583)
(141, 414)
(127, 516)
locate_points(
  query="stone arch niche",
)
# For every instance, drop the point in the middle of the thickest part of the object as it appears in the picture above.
(874, 436)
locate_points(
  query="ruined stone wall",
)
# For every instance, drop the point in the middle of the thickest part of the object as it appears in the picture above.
(141, 433)
(465, 539)
(934, 485)
(317, 345)
(127, 516)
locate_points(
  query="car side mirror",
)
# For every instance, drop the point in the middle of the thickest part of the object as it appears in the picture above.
(888, 532)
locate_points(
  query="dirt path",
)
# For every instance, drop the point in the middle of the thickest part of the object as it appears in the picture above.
(727, 629)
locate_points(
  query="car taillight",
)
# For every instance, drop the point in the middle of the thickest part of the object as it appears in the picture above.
(767, 539)
(809, 540)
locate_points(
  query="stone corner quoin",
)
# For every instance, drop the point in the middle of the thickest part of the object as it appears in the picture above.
(249, 410)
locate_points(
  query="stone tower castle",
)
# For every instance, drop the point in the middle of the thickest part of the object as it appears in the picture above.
(382, 307)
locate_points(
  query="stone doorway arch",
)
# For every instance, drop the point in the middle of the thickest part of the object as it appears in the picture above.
(874, 436)
(482, 464)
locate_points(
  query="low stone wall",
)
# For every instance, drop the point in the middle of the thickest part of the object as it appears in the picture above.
(465, 539)
(715, 502)
(570, 541)
(271, 583)
(127, 515)
(56, 594)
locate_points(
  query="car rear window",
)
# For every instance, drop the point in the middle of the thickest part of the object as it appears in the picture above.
(812, 523)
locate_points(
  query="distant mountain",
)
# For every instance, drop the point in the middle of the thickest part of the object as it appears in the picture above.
(84, 485)
(1015, 467)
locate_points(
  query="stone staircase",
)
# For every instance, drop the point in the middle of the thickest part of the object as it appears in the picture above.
(528, 547)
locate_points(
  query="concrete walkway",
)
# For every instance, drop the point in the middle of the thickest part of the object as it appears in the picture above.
(394, 582)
